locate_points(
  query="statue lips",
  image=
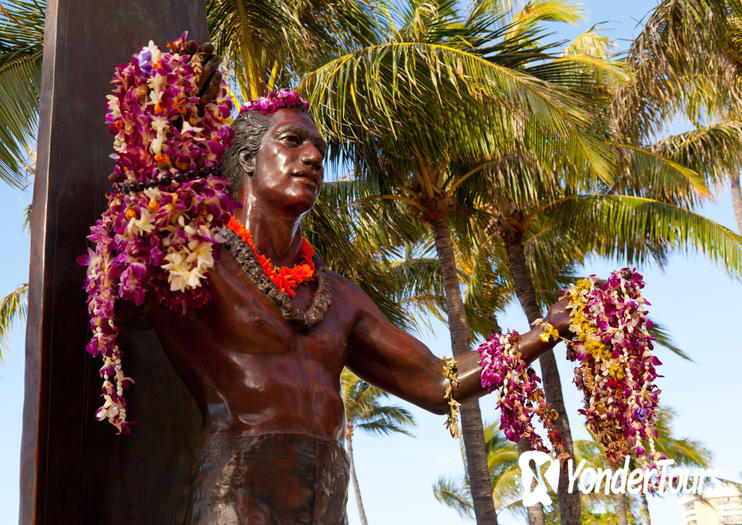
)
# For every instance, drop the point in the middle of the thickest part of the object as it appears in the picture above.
(309, 177)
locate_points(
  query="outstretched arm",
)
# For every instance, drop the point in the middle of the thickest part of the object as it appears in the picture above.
(394, 361)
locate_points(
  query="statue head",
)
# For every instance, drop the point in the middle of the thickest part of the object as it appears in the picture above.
(276, 144)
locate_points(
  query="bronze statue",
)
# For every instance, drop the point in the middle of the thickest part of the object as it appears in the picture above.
(267, 383)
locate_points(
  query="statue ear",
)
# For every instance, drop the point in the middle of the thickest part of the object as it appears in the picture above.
(247, 163)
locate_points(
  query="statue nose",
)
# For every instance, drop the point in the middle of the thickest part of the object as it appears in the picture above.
(311, 156)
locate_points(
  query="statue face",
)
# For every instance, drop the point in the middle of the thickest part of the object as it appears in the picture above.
(287, 170)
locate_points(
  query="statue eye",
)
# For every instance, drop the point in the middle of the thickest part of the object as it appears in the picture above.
(292, 139)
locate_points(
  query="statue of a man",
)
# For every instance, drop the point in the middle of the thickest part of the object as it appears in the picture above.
(265, 368)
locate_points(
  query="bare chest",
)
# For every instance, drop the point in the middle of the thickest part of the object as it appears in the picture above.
(240, 321)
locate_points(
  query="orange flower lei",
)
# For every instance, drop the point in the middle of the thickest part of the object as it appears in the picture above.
(287, 279)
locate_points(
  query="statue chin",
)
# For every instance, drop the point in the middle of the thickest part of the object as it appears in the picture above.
(301, 201)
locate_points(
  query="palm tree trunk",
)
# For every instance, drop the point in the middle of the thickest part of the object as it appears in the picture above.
(356, 488)
(622, 509)
(736, 199)
(569, 503)
(645, 508)
(471, 418)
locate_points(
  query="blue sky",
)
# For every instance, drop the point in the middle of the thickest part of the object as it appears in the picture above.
(692, 297)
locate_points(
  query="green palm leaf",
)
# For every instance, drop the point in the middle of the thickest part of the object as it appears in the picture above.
(536, 12)
(632, 226)
(273, 42)
(21, 41)
(715, 149)
(363, 409)
(456, 496)
(12, 307)
(380, 89)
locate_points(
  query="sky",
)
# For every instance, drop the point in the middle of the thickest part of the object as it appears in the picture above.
(693, 298)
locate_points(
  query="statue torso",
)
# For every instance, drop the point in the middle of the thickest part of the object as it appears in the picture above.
(251, 371)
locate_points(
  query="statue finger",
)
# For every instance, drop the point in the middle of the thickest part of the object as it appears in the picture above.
(207, 74)
(212, 89)
(190, 47)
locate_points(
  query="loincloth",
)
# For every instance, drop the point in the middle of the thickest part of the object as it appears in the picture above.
(269, 479)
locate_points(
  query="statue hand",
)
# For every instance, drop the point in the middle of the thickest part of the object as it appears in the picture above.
(559, 315)
(211, 78)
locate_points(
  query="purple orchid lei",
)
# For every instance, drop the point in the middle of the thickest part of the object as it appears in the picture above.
(161, 235)
(275, 100)
(617, 370)
(520, 396)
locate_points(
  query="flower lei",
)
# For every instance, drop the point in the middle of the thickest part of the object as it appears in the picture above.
(275, 100)
(168, 201)
(520, 397)
(452, 380)
(287, 279)
(616, 371)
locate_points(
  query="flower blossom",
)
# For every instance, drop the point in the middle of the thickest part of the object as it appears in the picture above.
(157, 239)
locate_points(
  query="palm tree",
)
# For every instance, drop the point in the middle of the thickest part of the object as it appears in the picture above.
(385, 103)
(502, 460)
(532, 208)
(274, 43)
(21, 42)
(363, 411)
(688, 58)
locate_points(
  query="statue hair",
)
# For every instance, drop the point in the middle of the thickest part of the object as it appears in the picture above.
(249, 129)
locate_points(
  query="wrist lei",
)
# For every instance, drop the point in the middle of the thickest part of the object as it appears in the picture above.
(452, 381)
(616, 371)
(279, 284)
(520, 396)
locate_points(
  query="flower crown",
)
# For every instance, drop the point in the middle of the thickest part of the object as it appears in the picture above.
(275, 100)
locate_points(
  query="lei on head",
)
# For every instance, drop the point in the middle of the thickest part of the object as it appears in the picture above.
(275, 100)
(616, 371)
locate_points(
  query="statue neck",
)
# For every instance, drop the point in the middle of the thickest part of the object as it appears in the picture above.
(276, 233)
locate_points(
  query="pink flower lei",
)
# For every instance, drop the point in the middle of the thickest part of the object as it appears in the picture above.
(616, 371)
(275, 100)
(169, 200)
(520, 396)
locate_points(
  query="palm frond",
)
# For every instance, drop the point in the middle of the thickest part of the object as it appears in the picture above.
(12, 307)
(685, 451)
(21, 41)
(662, 338)
(381, 91)
(681, 60)
(636, 227)
(364, 411)
(536, 12)
(258, 37)
(453, 495)
(654, 175)
(714, 150)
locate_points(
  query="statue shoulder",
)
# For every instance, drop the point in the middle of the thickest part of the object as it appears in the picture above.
(349, 295)
(343, 287)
